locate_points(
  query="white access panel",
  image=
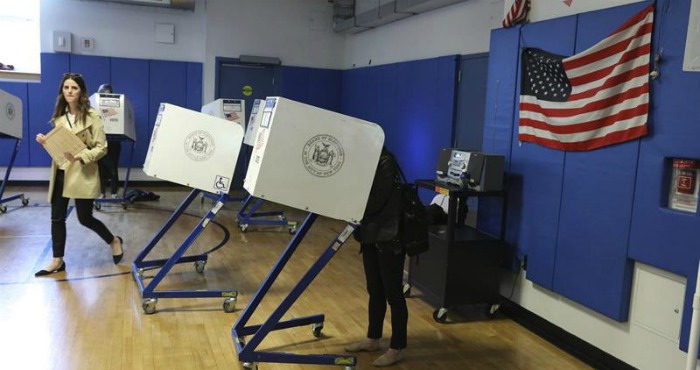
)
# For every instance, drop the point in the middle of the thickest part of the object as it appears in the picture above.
(117, 114)
(11, 116)
(314, 159)
(193, 149)
(253, 123)
(229, 109)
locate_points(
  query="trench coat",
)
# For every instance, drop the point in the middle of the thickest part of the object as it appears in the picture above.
(82, 181)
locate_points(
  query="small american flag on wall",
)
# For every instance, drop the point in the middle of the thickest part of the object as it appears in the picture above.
(596, 98)
(517, 13)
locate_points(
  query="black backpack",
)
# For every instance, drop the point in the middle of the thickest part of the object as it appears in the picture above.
(414, 223)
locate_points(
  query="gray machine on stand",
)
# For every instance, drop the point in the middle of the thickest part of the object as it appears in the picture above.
(462, 265)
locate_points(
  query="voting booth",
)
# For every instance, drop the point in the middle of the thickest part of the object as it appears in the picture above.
(117, 114)
(253, 123)
(315, 160)
(10, 129)
(232, 110)
(11, 116)
(119, 125)
(193, 149)
(248, 214)
(196, 150)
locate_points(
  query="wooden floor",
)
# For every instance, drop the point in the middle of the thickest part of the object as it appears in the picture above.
(91, 317)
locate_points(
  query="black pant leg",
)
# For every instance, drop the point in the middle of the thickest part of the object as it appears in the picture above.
(113, 159)
(59, 208)
(377, 300)
(391, 269)
(84, 210)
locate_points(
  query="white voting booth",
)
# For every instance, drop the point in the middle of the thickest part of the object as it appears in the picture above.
(321, 162)
(117, 114)
(253, 123)
(314, 159)
(10, 127)
(230, 109)
(196, 150)
(193, 149)
(11, 116)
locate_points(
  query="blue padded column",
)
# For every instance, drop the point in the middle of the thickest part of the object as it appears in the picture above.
(194, 86)
(536, 172)
(592, 266)
(168, 84)
(42, 99)
(662, 237)
(130, 77)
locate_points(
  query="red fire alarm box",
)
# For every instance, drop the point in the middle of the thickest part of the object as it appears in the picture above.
(683, 194)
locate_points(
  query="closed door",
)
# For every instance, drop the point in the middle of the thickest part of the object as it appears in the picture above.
(246, 82)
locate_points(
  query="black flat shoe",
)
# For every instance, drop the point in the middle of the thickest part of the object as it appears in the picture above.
(44, 272)
(118, 257)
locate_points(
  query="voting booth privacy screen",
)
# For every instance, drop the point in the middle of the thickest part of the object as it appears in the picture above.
(193, 149)
(253, 123)
(229, 109)
(117, 114)
(11, 115)
(314, 159)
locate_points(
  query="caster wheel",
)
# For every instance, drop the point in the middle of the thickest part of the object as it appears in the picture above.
(440, 315)
(241, 341)
(229, 304)
(292, 231)
(250, 366)
(3, 209)
(149, 305)
(491, 310)
(98, 206)
(316, 329)
(137, 274)
(123, 205)
(243, 227)
(199, 266)
(25, 201)
(407, 290)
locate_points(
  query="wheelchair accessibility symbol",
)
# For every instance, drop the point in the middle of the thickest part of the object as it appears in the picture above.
(221, 182)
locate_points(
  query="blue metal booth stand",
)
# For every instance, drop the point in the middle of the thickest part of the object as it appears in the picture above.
(25, 201)
(247, 353)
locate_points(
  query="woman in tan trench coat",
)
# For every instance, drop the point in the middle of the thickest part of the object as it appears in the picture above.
(78, 178)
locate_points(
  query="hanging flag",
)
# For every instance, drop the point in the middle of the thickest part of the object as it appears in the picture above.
(595, 98)
(517, 13)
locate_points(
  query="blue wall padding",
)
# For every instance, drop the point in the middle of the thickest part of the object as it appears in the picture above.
(412, 102)
(592, 267)
(318, 87)
(42, 99)
(168, 84)
(498, 125)
(7, 145)
(662, 237)
(95, 70)
(130, 77)
(194, 86)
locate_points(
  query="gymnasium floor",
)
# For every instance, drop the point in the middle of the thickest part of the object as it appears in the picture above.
(91, 316)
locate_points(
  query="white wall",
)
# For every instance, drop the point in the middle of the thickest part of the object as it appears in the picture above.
(127, 31)
(462, 28)
(299, 32)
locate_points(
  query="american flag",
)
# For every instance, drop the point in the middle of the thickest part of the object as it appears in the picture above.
(596, 98)
(517, 13)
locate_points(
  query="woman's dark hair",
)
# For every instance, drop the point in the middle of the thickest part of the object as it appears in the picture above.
(83, 99)
(105, 89)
